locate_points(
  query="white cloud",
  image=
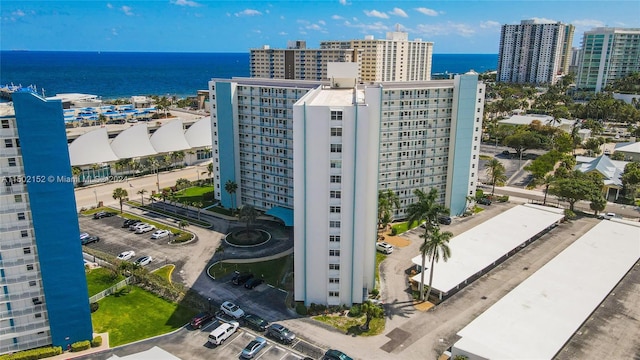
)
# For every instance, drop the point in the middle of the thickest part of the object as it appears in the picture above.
(489, 24)
(185, 3)
(543, 20)
(282, 33)
(591, 23)
(337, 17)
(398, 12)
(248, 12)
(127, 10)
(114, 32)
(266, 11)
(313, 27)
(427, 11)
(18, 12)
(376, 13)
(448, 28)
(109, 6)
(281, 17)
(321, 22)
(343, 2)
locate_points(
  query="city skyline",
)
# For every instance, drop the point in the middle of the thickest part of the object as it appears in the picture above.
(195, 26)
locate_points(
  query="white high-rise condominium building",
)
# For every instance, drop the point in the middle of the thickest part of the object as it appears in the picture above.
(607, 54)
(296, 61)
(316, 154)
(395, 58)
(534, 52)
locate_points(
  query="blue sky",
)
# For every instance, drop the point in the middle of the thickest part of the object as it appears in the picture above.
(236, 26)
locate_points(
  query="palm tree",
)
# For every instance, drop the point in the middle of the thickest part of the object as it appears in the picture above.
(426, 209)
(154, 165)
(183, 224)
(120, 194)
(198, 204)
(141, 192)
(435, 246)
(387, 201)
(371, 311)
(248, 214)
(173, 199)
(496, 173)
(168, 161)
(230, 187)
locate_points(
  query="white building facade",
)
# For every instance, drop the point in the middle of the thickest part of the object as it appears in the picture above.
(534, 52)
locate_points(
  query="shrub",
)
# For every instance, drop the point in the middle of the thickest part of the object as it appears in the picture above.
(569, 215)
(97, 341)
(33, 354)
(80, 345)
(94, 307)
(479, 194)
(375, 292)
(394, 231)
(503, 198)
(301, 309)
(355, 311)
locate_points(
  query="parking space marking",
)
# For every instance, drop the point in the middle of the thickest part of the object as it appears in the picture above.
(264, 351)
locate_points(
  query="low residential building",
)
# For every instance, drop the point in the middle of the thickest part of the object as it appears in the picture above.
(630, 150)
(527, 119)
(611, 171)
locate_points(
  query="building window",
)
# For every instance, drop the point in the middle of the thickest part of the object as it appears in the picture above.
(334, 252)
(336, 179)
(336, 164)
(36, 301)
(336, 148)
(8, 143)
(336, 131)
(334, 293)
(30, 267)
(24, 233)
(32, 283)
(5, 124)
(26, 250)
(334, 209)
(334, 266)
(12, 161)
(21, 216)
(17, 198)
(38, 315)
(334, 238)
(334, 280)
(335, 194)
(336, 115)
(334, 224)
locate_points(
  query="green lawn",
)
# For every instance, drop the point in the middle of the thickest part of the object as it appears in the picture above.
(352, 325)
(379, 258)
(137, 315)
(203, 194)
(101, 279)
(403, 226)
(93, 211)
(273, 270)
(165, 272)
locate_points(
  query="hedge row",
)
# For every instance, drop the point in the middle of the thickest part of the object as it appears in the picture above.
(34, 354)
(81, 345)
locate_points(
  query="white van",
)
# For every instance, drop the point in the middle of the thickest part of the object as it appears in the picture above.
(222, 332)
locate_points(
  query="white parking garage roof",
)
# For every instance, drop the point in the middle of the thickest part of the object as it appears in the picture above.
(538, 317)
(480, 247)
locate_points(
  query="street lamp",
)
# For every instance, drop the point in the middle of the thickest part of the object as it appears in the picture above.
(209, 301)
(96, 195)
(158, 177)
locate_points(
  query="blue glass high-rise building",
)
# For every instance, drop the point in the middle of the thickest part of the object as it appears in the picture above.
(44, 297)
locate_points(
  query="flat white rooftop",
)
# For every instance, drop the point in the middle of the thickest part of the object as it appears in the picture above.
(477, 248)
(538, 317)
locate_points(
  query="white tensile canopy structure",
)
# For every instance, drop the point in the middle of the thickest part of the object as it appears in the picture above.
(94, 147)
(91, 148)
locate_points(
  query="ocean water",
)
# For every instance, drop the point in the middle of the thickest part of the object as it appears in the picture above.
(123, 74)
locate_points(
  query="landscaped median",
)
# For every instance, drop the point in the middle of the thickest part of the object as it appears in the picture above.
(272, 271)
(171, 214)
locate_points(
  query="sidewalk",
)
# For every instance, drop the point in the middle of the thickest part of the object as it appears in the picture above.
(71, 355)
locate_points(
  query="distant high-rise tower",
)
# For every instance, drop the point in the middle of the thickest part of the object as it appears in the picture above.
(607, 54)
(395, 58)
(44, 298)
(534, 52)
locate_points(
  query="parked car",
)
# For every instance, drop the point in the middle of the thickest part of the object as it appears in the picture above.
(144, 229)
(126, 255)
(222, 332)
(103, 214)
(255, 322)
(444, 220)
(253, 348)
(384, 247)
(232, 309)
(127, 223)
(333, 354)
(253, 282)
(158, 234)
(89, 240)
(143, 261)
(201, 319)
(484, 201)
(84, 236)
(241, 278)
(135, 226)
(607, 216)
(506, 153)
(281, 333)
